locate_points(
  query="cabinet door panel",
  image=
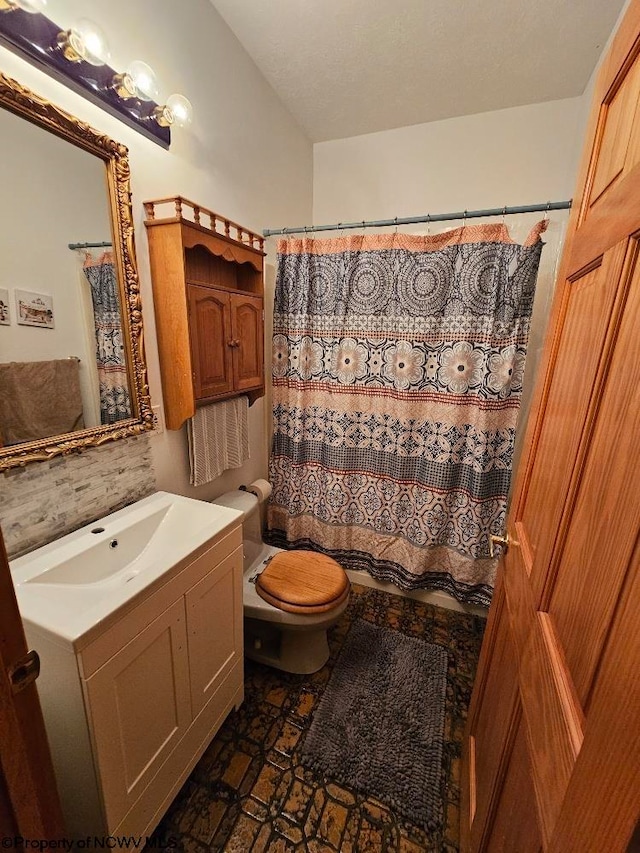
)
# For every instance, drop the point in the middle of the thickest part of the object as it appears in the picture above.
(210, 323)
(248, 355)
(139, 707)
(214, 625)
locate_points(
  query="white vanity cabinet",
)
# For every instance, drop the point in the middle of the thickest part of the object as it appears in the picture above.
(132, 707)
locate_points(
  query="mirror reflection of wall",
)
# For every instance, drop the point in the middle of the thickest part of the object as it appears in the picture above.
(61, 366)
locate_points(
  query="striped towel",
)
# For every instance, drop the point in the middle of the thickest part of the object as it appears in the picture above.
(218, 439)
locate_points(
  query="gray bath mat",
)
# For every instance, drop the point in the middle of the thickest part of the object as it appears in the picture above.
(379, 726)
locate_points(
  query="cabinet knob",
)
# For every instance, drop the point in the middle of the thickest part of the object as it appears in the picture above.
(233, 343)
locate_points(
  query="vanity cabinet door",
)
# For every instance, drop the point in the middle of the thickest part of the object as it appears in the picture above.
(139, 707)
(214, 626)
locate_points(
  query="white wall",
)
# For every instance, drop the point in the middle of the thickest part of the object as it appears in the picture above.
(517, 156)
(513, 156)
(244, 156)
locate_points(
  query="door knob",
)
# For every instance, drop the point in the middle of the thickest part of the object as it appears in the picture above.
(498, 540)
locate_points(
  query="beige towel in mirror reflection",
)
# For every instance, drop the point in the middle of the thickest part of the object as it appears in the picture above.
(39, 399)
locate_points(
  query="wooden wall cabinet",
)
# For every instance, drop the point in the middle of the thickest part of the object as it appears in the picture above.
(208, 291)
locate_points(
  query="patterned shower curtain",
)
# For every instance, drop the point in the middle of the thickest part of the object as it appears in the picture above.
(397, 375)
(115, 403)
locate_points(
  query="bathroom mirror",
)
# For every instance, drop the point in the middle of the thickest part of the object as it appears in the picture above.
(72, 366)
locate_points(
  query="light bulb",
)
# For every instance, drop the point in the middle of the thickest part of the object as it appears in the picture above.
(181, 110)
(34, 7)
(144, 80)
(94, 41)
(85, 42)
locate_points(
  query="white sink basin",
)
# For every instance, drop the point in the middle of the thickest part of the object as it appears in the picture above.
(73, 584)
(125, 547)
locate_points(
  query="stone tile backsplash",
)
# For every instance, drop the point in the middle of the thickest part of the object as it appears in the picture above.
(45, 500)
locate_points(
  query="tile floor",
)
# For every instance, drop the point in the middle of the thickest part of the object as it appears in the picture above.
(250, 794)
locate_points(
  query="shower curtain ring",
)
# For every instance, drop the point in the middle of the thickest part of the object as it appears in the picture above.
(428, 223)
(464, 219)
(504, 213)
(396, 224)
(546, 213)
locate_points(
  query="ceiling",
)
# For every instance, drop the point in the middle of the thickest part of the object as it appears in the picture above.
(346, 67)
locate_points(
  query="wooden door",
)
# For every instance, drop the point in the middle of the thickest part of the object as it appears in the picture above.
(29, 803)
(139, 708)
(214, 628)
(248, 337)
(553, 740)
(211, 338)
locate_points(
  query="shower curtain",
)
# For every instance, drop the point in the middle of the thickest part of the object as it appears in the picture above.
(397, 375)
(115, 403)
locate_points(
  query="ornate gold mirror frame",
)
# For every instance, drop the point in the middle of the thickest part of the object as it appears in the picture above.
(25, 103)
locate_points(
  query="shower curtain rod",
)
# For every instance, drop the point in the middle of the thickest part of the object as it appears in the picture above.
(429, 217)
(89, 245)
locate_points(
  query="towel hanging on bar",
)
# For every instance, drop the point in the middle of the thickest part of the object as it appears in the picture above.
(218, 439)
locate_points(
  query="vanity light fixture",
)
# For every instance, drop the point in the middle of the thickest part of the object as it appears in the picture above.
(78, 57)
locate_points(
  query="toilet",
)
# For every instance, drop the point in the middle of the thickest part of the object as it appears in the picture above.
(291, 598)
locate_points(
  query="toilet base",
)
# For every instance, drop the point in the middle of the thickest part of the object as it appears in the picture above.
(292, 649)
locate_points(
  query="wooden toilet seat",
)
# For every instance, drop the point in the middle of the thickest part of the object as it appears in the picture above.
(303, 582)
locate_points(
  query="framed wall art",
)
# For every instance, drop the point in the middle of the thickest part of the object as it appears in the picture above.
(34, 309)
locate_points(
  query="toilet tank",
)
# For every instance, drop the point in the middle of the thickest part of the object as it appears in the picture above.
(249, 506)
